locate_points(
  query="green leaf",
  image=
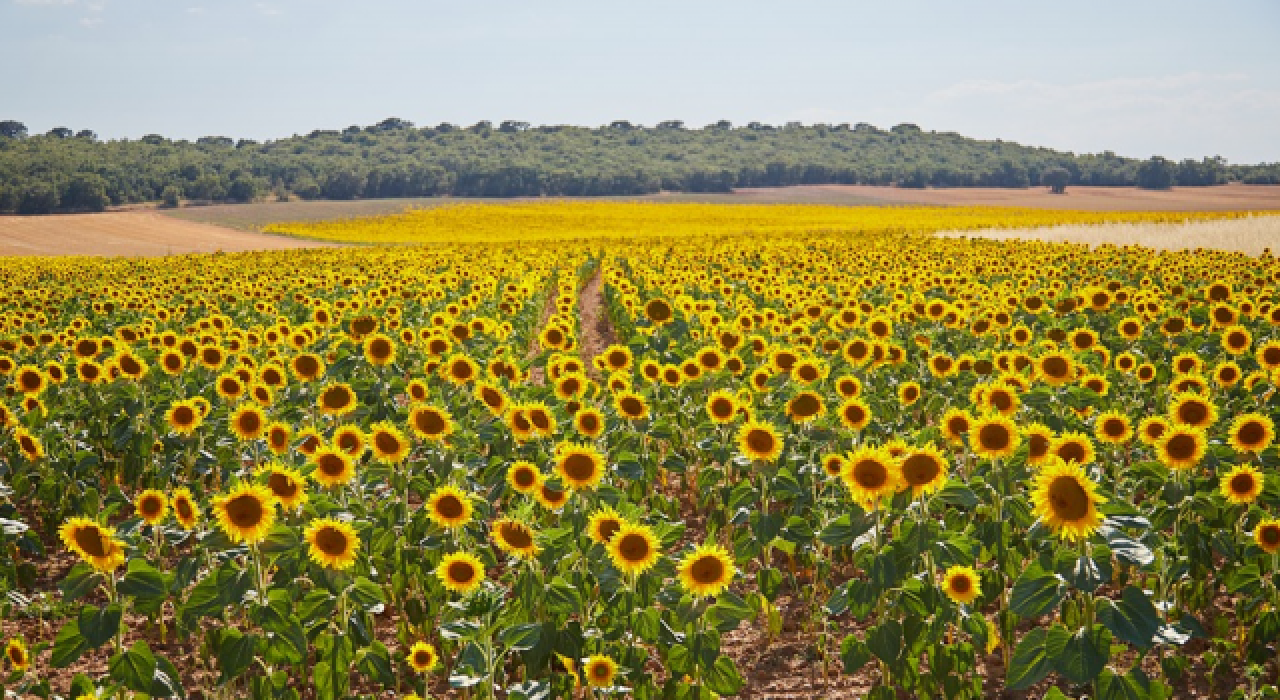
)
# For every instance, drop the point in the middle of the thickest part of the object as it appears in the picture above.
(79, 582)
(376, 665)
(99, 626)
(135, 668)
(841, 532)
(1133, 619)
(1031, 661)
(885, 641)
(1081, 656)
(69, 645)
(1133, 685)
(1036, 592)
(143, 581)
(166, 683)
(280, 539)
(1127, 549)
(956, 493)
(235, 654)
(562, 597)
(323, 678)
(854, 654)
(723, 677)
(522, 637)
(366, 594)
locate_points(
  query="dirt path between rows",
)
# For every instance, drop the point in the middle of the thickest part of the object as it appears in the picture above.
(593, 323)
(538, 375)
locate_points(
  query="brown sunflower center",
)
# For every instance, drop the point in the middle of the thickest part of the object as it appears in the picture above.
(1193, 412)
(1242, 484)
(806, 405)
(150, 507)
(331, 465)
(1001, 400)
(429, 422)
(855, 414)
(1068, 498)
(634, 547)
(331, 541)
(524, 477)
(516, 536)
(1181, 446)
(380, 349)
(920, 469)
(461, 572)
(183, 508)
(961, 584)
(1270, 535)
(707, 569)
(870, 474)
(1072, 451)
(760, 441)
(386, 443)
(245, 510)
(91, 540)
(282, 486)
(460, 370)
(1055, 367)
(579, 467)
(994, 436)
(540, 420)
(250, 422)
(450, 506)
(183, 415)
(607, 528)
(589, 422)
(1113, 427)
(1251, 433)
(422, 657)
(631, 406)
(337, 397)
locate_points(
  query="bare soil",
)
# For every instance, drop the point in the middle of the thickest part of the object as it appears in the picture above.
(1256, 235)
(593, 323)
(138, 232)
(1217, 198)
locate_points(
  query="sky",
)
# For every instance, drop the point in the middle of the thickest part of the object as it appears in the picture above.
(1174, 78)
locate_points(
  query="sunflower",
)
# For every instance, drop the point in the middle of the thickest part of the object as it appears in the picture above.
(721, 406)
(908, 393)
(870, 474)
(854, 414)
(94, 543)
(246, 513)
(961, 584)
(1073, 447)
(604, 524)
(286, 484)
(1267, 535)
(551, 498)
(1236, 340)
(333, 467)
(333, 543)
(1039, 440)
(278, 434)
(1193, 410)
(308, 367)
(956, 424)
(589, 422)
(449, 507)
(707, 571)
(459, 369)
(336, 399)
(580, 466)
(460, 572)
(1268, 355)
(185, 510)
(248, 422)
(658, 311)
(600, 671)
(848, 387)
(759, 441)
(634, 549)
(1251, 432)
(90, 372)
(152, 506)
(379, 350)
(29, 379)
(1113, 427)
(1066, 499)
(422, 657)
(1242, 484)
(229, 386)
(524, 477)
(923, 469)
(390, 446)
(184, 417)
(631, 406)
(430, 423)
(30, 446)
(994, 436)
(1151, 428)
(805, 407)
(1055, 368)
(16, 652)
(1181, 447)
(514, 537)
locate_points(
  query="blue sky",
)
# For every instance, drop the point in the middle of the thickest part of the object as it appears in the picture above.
(1181, 79)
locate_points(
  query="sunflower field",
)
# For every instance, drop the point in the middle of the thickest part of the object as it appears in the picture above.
(580, 463)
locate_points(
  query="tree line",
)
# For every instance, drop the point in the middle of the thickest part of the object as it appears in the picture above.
(66, 170)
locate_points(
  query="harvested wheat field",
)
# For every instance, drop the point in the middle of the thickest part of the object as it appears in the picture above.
(144, 233)
(1252, 235)
(1217, 198)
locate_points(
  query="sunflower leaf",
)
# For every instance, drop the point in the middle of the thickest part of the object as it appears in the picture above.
(1031, 661)
(1133, 619)
(1036, 592)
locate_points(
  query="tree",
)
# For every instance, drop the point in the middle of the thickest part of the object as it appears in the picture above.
(85, 192)
(344, 184)
(38, 198)
(171, 197)
(1056, 179)
(243, 189)
(61, 132)
(1156, 174)
(12, 129)
(87, 134)
(511, 127)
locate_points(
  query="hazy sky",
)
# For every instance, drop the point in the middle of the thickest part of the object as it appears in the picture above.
(1181, 79)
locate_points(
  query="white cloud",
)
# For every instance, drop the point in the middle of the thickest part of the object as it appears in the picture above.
(90, 22)
(267, 10)
(195, 10)
(46, 3)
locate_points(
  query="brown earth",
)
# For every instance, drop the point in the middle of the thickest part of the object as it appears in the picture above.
(1218, 198)
(593, 323)
(139, 232)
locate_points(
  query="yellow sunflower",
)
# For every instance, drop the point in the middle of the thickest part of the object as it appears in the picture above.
(1152, 428)
(1066, 500)
(580, 466)
(1181, 447)
(248, 422)
(1113, 427)
(994, 436)
(460, 572)
(1193, 410)
(923, 470)
(94, 543)
(600, 670)
(805, 407)
(759, 441)
(184, 417)
(721, 406)
(246, 513)
(185, 510)
(589, 422)
(333, 543)
(604, 524)
(333, 467)
(286, 484)
(379, 350)
(449, 507)
(1073, 447)
(389, 444)
(551, 498)
(336, 399)
(634, 549)
(956, 424)
(631, 406)
(1242, 484)
(1251, 432)
(524, 477)
(422, 657)
(430, 423)
(152, 506)
(30, 446)
(707, 571)
(870, 474)
(16, 652)
(1267, 535)
(514, 537)
(961, 584)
